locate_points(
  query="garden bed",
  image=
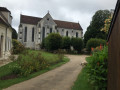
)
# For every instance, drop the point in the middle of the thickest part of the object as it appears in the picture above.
(7, 78)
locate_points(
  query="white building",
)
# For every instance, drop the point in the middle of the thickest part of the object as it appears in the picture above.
(5, 33)
(32, 30)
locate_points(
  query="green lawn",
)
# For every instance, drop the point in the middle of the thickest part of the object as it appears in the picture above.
(5, 70)
(82, 81)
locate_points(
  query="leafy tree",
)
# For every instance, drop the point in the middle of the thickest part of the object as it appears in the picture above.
(97, 23)
(66, 42)
(77, 44)
(14, 34)
(53, 41)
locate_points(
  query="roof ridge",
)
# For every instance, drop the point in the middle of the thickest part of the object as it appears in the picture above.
(53, 19)
(62, 24)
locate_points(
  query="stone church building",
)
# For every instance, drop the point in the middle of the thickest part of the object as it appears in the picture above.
(5, 33)
(32, 30)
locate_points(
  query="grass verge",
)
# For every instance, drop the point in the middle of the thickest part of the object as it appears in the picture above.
(82, 80)
(5, 70)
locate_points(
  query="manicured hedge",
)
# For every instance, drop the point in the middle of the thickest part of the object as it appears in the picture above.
(53, 42)
(77, 44)
(94, 42)
(66, 42)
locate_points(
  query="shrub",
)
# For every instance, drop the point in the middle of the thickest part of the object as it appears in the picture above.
(97, 69)
(27, 64)
(43, 44)
(66, 42)
(94, 42)
(53, 42)
(17, 47)
(77, 44)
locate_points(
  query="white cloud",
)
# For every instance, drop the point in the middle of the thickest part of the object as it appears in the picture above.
(68, 10)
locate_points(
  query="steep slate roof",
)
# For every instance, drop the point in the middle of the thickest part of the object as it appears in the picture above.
(60, 24)
(117, 9)
(3, 20)
(4, 9)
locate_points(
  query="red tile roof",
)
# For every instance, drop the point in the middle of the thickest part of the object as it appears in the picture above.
(60, 24)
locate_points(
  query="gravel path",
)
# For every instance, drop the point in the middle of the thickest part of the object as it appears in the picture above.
(61, 78)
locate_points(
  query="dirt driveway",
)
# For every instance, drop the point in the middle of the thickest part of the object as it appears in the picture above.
(61, 78)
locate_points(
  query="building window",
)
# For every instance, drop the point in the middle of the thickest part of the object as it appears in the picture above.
(50, 30)
(43, 33)
(55, 27)
(39, 25)
(48, 19)
(25, 35)
(62, 29)
(67, 33)
(57, 31)
(76, 34)
(33, 34)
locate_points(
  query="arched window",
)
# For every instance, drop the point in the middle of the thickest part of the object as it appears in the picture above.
(33, 34)
(50, 30)
(76, 34)
(43, 33)
(67, 33)
(25, 35)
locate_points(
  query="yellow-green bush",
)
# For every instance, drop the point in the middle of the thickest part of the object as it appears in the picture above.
(17, 47)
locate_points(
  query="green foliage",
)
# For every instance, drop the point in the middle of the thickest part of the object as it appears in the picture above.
(97, 23)
(43, 44)
(66, 42)
(94, 42)
(28, 63)
(14, 34)
(82, 81)
(7, 69)
(17, 47)
(97, 69)
(77, 44)
(53, 41)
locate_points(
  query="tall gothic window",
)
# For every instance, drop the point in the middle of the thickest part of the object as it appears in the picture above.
(76, 34)
(50, 30)
(67, 33)
(25, 35)
(33, 34)
(43, 33)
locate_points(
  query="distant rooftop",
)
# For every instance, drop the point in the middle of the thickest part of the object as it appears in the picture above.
(4, 9)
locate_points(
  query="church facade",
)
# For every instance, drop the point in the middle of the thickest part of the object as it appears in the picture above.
(32, 30)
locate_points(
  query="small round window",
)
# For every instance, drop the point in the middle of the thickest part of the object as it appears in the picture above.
(48, 19)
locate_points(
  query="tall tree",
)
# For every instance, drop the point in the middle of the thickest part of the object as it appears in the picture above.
(14, 34)
(97, 23)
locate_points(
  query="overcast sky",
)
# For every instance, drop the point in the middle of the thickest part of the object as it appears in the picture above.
(67, 10)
